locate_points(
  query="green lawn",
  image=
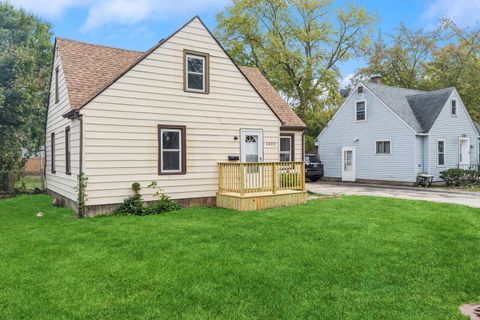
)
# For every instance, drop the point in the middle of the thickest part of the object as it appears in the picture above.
(30, 182)
(349, 258)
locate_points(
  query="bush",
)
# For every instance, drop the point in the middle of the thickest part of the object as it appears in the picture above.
(134, 204)
(457, 177)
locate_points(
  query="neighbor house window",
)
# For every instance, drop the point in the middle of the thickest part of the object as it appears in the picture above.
(286, 147)
(196, 72)
(57, 93)
(441, 152)
(360, 89)
(172, 149)
(360, 111)
(67, 151)
(52, 149)
(383, 147)
(454, 107)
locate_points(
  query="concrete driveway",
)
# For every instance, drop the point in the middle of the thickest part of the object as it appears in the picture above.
(470, 199)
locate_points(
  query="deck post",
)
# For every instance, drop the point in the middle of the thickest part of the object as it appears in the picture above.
(242, 179)
(302, 169)
(274, 178)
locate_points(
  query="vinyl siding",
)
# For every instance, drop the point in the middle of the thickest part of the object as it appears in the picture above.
(59, 181)
(451, 129)
(121, 142)
(297, 144)
(381, 124)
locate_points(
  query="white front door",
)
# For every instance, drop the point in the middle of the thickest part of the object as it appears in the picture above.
(464, 157)
(251, 146)
(348, 164)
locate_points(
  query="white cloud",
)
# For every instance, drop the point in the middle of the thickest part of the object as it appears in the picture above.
(126, 12)
(462, 12)
(345, 82)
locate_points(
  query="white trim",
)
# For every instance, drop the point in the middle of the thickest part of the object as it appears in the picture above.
(460, 150)
(451, 108)
(383, 154)
(179, 150)
(199, 57)
(353, 176)
(259, 133)
(356, 111)
(444, 154)
(290, 147)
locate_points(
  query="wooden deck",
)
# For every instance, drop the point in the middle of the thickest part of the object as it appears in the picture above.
(260, 185)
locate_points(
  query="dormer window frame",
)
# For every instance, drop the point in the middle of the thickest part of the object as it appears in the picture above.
(360, 89)
(454, 108)
(357, 112)
(205, 58)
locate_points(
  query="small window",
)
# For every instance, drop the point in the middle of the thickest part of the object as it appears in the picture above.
(441, 152)
(286, 148)
(361, 111)
(68, 167)
(454, 107)
(52, 153)
(383, 147)
(196, 72)
(57, 93)
(172, 157)
(360, 89)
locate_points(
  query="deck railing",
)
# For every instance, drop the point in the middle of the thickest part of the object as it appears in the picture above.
(250, 177)
(474, 166)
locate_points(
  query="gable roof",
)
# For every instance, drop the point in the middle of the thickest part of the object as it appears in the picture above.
(419, 109)
(283, 111)
(90, 68)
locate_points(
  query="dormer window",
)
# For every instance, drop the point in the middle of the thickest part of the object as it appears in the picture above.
(196, 72)
(360, 111)
(360, 89)
(454, 107)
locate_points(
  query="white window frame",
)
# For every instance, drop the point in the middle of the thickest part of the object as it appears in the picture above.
(444, 154)
(179, 150)
(355, 109)
(290, 146)
(456, 108)
(360, 88)
(204, 60)
(383, 154)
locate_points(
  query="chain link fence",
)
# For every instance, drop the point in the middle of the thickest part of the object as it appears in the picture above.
(28, 179)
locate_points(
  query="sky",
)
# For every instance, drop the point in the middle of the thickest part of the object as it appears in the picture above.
(140, 24)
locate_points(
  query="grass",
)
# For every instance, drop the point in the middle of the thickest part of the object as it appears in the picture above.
(30, 182)
(348, 258)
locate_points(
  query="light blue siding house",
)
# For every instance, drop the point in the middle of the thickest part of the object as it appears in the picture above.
(390, 134)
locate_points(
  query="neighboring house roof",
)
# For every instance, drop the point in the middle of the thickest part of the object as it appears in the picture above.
(283, 111)
(88, 67)
(419, 109)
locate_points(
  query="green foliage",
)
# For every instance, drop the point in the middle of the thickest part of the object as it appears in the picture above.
(135, 205)
(25, 62)
(81, 195)
(297, 45)
(458, 177)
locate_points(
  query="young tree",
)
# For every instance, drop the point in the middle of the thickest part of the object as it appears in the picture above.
(296, 45)
(25, 60)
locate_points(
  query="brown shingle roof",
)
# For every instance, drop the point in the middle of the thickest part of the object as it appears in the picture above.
(88, 68)
(288, 117)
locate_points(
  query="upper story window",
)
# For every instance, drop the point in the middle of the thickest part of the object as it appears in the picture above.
(57, 93)
(360, 111)
(68, 161)
(360, 89)
(196, 72)
(52, 151)
(441, 152)
(454, 107)
(172, 150)
(286, 148)
(384, 147)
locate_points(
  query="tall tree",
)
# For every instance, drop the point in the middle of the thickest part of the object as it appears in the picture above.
(25, 60)
(296, 44)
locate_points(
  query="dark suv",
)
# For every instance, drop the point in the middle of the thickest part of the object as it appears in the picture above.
(313, 167)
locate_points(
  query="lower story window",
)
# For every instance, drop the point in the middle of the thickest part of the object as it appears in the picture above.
(441, 152)
(286, 148)
(172, 149)
(383, 147)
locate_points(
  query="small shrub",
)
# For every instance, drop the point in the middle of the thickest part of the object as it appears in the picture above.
(132, 204)
(457, 177)
(163, 204)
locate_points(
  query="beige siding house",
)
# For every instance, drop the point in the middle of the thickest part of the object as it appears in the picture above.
(170, 115)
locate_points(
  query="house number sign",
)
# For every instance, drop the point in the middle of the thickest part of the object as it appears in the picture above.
(270, 144)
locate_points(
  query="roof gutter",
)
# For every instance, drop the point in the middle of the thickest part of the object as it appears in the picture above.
(294, 128)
